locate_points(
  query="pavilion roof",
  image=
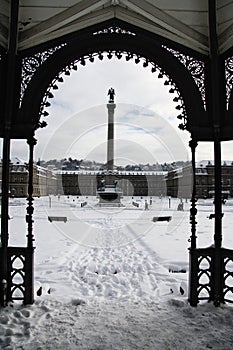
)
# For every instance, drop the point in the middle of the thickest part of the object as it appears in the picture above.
(183, 21)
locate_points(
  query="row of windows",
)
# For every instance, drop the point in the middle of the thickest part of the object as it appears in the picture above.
(17, 179)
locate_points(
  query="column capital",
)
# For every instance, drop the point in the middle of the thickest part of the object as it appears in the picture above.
(111, 106)
(193, 144)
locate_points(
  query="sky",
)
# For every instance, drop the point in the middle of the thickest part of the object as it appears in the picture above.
(146, 124)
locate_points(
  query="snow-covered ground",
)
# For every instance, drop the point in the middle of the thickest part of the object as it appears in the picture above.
(112, 278)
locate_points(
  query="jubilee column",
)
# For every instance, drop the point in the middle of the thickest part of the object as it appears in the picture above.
(110, 142)
(109, 193)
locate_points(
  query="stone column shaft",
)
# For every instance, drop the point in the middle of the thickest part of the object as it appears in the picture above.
(110, 142)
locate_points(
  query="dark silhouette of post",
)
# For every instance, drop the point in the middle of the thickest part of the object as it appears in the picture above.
(110, 143)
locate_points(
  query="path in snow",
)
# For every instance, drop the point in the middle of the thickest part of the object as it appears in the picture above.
(117, 263)
(113, 253)
(123, 273)
(110, 272)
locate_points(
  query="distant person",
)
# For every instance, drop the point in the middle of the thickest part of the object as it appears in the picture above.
(146, 205)
(180, 206)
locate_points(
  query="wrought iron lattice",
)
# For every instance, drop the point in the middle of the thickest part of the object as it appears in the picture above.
(196, 69)
(212, 275)
(204, 277)
(20, 274)
(228, 279)
(17, 271)
(201, 275)
(229, 78)
(31, 64)
(114, 30)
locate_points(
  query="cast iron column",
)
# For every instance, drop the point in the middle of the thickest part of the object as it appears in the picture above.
(215, 108)
(30, 209)
(9, 106)
(193, 209)
(29, 260)
(218, 191)
(9, 103)
(193, 262)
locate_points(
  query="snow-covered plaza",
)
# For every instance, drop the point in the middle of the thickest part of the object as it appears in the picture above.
(112, 278)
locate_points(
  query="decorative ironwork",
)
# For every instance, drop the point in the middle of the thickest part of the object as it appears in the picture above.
(204, 277)
(179, 99)
(114, 30)
(19, 281)
(229, 78)
(196, 69)
(17, 271)
(201, 275)
(31, 64)
(54, 86)
(212, 275)
(30, 209)
(228, 275)
(119, 54)
(193, 209)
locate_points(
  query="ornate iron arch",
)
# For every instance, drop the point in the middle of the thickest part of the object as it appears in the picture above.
(114, 41)
(229, 83)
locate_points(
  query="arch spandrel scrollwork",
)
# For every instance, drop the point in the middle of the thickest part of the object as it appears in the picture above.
(45, 70)
(196, 69)
(30, 65)
(229, 79)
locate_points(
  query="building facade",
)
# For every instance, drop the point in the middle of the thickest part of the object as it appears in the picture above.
(179, 181)
(130, 183)
(175, 183)
(44, 180)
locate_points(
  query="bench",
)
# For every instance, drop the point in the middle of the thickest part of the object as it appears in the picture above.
(161, 218)
(212, 216)
(83, 204)
(57, 218)
(177, 270)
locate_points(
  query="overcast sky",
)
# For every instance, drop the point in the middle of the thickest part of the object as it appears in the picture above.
(146, 127)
